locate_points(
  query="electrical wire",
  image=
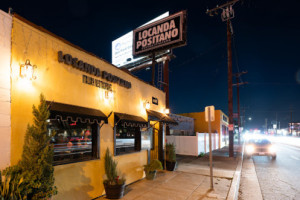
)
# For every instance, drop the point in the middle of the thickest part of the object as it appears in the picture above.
(199, 55)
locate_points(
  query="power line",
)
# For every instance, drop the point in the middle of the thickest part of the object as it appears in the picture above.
(200, 55)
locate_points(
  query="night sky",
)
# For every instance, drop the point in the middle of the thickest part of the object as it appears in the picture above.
(266, 43)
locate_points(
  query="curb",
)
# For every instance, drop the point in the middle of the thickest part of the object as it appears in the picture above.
(235, 183)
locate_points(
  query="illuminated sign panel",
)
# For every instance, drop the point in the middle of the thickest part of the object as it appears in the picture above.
(122, 48)
(166, 33)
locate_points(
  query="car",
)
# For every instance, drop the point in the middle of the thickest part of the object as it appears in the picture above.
(260, 147)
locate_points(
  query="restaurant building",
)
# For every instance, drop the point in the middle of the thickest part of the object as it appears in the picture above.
(93, 106)
(220, 125)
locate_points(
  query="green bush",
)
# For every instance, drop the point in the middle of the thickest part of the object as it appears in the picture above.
(110, 167)
(153, 166)
(170, 152)
(201, 154)
(36, 165)
(10, 188)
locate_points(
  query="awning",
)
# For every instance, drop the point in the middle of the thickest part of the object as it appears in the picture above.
(130, 120)
(75, 113)
(157, 116)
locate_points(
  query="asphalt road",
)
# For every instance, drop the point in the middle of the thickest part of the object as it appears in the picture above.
(280, 178)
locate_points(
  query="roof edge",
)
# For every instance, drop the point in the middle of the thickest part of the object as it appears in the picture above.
(42, 29)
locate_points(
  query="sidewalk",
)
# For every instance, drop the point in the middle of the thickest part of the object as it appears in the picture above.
(190, 181)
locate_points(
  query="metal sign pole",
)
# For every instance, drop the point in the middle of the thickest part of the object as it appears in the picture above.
(210, 150)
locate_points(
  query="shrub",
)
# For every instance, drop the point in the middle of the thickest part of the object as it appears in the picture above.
(10, 188)
(36, 164)
(170, 152)
(153, 166)
(111, 171)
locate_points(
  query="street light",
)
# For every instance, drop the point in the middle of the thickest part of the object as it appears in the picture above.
(250, 118)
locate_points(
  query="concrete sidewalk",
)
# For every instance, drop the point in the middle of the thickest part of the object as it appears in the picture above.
(190, 180)
(249, 187)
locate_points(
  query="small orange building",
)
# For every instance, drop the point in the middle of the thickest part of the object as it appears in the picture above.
(220, 125)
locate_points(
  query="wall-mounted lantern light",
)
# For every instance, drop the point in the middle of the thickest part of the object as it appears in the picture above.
(27, 70)
(167, 111)
(147, 105)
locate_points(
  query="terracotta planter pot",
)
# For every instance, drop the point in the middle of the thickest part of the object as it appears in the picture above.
(114, 191)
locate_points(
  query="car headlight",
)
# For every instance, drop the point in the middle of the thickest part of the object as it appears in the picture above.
(272, 149)
(250, 149)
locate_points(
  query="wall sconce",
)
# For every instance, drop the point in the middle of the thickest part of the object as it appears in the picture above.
(167, 111)
(27, 70)
(109, 94)
(147, 105)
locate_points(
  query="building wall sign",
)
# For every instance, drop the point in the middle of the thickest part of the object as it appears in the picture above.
(163, 34)
(96, 82)
(155, 100)
(90, 69)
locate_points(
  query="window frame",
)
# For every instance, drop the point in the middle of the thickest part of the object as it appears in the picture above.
(115, 141)
(95, 154)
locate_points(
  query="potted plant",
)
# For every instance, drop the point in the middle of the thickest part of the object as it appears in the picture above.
(114, 185)
(170, 156)
(151, 169)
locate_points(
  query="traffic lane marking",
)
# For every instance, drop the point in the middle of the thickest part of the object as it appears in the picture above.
(295, 158)
(288, 146)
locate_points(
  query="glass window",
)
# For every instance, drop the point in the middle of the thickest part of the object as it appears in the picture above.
(147, 138)
(128, 139)
(73, 141)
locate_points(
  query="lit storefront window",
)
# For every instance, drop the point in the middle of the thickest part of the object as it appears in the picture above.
(128, 133)
(73, 141)
(147, 137)
(128, 139)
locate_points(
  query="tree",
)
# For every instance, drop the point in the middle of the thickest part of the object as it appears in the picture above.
(36, 164)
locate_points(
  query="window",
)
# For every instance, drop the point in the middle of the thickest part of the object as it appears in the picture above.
(73, 141)
(128, 139)
(147, 137)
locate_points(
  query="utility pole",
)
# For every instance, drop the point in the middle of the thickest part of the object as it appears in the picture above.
(237, 75)
(227, 14)
(243, 109)
(153, 68)
(166, 87)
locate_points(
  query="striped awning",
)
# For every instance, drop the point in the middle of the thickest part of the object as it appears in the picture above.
(161, 117)
(74, 113)
(127, 120)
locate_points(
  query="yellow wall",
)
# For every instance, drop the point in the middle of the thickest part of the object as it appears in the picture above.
(63, 83)
(201, 125)
(5, 123)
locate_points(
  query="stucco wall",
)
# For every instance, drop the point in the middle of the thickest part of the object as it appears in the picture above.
(5, 55)
(63, 83)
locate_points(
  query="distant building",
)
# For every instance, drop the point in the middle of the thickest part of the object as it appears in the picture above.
(220, 125)
(186, 125)
(294, 128)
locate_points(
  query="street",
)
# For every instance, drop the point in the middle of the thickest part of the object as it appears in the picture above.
(279, 179)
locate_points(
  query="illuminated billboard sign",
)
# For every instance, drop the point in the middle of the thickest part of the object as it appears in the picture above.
(166, 33)
(122, 48)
